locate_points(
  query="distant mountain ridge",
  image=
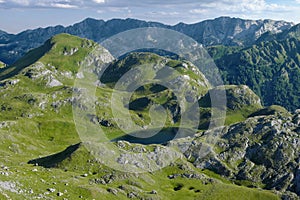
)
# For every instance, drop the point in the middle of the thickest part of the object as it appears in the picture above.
(231, 31)
(220, 31)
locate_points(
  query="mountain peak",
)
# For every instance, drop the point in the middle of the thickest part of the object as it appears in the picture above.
(56, 51)
(90, 20)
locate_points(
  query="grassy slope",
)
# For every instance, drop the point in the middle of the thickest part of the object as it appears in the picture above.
(2, 65)
(30, 58)
(50, 131)
(71, 171)
(239, 105)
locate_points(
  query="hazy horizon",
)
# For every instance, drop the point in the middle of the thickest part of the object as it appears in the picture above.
(70, 24)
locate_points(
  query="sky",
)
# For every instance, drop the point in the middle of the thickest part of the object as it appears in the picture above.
(20, 15)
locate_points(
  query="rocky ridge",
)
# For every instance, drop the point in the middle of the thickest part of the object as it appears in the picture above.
(223, 30)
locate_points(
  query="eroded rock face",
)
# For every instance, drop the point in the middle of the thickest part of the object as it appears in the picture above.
(261, 150)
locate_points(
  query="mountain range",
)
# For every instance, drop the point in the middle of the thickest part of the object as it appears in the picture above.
(223, 30)
(45, 95)
(256, 53)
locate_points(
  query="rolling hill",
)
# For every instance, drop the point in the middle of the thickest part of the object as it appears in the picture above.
(42, 155)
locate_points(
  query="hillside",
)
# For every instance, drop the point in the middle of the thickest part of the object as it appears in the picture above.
(2, 65)
(268, 66)
(44, 157)
(249, 52)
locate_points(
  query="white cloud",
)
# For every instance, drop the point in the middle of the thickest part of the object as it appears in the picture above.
(41, 3)
(242, 5)
(61, 5)
(99, 1)
(198, 11)
(240, 8)
(21, 2)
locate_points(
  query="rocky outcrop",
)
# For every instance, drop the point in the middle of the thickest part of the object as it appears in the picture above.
(263, 150)
(237, 96)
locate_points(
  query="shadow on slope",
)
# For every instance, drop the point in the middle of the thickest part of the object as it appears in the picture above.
(30, 58)
(55, 159)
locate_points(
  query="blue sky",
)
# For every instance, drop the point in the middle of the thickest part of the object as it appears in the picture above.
(18, 15)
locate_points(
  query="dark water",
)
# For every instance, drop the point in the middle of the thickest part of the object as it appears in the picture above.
(162, 137)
